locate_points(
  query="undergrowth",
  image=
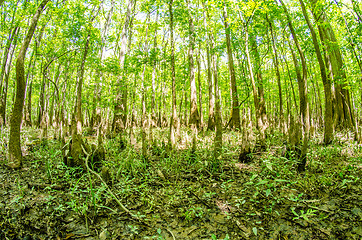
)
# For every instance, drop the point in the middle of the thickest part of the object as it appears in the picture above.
(263, 199)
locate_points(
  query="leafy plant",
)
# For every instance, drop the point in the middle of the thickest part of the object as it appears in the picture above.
(304, 215)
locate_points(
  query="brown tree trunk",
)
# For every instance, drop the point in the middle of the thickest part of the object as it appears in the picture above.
(218, 117)
(76, 147)
(210, 80)
(194, 113)
(277, 73)
(96, 110)
(15, 154)
(28, 90)
(235, 113)
(303, 93)
(174, 121)
(5, 71)
(153, 100)
(143, 93)
(120, 109)
(199, 85)
(328, 117)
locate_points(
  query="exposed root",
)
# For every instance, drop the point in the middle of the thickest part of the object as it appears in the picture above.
(110, 191)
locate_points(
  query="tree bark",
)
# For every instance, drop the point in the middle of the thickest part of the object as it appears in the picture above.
(76, 148)
(303, 93)
(328, 117)
(210, 80)
(120, 109)
(143, 94)
(344, 114)
(15, 154)
(235, 113)
(5, 71)
(194, 113)
(199, 85)
(153, 100)
(174, 121)
(277, 73)
(96, 110)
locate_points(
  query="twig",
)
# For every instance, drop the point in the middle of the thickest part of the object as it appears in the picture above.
(202, 201)
(109, 190)
(173, 236)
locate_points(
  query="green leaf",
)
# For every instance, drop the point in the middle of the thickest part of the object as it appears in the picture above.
(262, 182)
(267, 192)
(255, 231)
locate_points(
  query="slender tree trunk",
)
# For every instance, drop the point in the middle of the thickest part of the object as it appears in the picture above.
(251, 75)
(120, 109)
(15, 154)
(96, 110)
(76, 148)
(199, 85)
(143, 93)
(303, 93)
(5, 71)
(277, 73)
(218, 117)
(343, 108)
(174, 121)
(328, 117)
(153, 100)
(28, 90)
(262, 119)
(13, 32)
(210, 79)
(235, 113)
(194, 113)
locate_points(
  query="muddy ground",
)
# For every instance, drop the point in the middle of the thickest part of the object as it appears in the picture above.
(175, 195)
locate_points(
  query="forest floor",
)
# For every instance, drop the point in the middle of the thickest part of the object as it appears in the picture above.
(176, 195)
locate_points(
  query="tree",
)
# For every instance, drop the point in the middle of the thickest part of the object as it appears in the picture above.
(235, 113)
(120, 109)
(303, 94)
(194, 113)
(15, 154)
(328, 117)
(174, 121)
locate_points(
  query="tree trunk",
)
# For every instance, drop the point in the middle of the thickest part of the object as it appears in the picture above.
(15, 154)
(194, 113)
(153, 100)
(303, 93)
(277, 73)
(5, 71)
(96, 110)
(143, 93)
(235, 113)
(210, 80)
(199, 85)
(28, 90)
(262, 122)
(343, 108)
(218, 117)
(76, 147)
(328, 117)
(174, 121)
(120, 109)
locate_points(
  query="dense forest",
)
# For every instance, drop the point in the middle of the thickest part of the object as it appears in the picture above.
(169, 119)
